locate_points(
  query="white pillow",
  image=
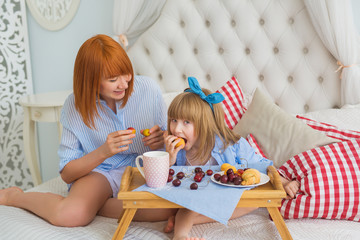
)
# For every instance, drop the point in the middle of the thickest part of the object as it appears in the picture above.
(348, 117)
(279, 134)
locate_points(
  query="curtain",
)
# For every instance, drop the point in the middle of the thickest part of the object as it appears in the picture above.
(133, 17)
(333, 21)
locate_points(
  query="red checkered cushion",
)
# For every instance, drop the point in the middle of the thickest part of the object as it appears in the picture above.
(254, 144)
(234, 103)
(329, 179)
(331, 130)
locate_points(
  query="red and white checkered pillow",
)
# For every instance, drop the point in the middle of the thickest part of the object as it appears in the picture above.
(331, 130)
(234, 103)
(329, 178)
(254, 144)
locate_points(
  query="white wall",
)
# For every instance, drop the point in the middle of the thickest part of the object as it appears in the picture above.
(52, 58)
(53, 55)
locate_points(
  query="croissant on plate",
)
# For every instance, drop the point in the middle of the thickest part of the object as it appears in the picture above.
(250, 176)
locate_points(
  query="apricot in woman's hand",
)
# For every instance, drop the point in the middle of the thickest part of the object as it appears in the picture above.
(146, 132)
(133, 129)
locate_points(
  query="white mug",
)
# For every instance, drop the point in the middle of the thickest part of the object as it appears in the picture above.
(156, 168)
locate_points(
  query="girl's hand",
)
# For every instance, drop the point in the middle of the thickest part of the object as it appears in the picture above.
(117, 142)
(155, 140)
(291, 188)
(170, 142)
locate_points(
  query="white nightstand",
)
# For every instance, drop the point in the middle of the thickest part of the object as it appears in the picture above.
(43, 107)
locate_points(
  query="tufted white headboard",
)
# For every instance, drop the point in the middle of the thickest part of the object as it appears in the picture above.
(269, 44)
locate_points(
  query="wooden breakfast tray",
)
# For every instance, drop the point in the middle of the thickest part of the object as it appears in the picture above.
(268, 195)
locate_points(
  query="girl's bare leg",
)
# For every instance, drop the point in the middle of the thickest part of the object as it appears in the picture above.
(87, 195)
(170, 224)
(185, 219)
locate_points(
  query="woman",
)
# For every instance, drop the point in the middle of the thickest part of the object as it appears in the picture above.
(96, 144)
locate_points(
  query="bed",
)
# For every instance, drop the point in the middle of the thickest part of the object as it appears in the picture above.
(300, 60)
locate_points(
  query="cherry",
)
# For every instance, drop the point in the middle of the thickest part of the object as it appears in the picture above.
(193, 186)
(198, 169)
(231, 177)
(180, 175)
(237, 181)
(197, 178)
(171, 171)
(229, 171)
(176, 182)
(224, 179)
(217, 176)
(209, 172)
(170, 178)
(199, 174)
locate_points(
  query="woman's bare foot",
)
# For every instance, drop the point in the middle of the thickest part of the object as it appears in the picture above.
(170, 225)
(8, 192)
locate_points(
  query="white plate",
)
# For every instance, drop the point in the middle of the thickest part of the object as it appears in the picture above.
(263, 179)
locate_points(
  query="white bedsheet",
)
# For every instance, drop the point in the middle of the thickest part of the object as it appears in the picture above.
(19, 224)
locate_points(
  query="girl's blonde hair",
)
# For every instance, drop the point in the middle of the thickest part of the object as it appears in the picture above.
(100, 57)
(189, 106)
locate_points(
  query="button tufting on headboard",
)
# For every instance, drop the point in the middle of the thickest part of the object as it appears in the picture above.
(182, 23)
(290, 79)
(267, 44)
(221, 50)
(207, 23)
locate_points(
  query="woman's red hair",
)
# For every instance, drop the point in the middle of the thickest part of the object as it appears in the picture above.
(100, 57)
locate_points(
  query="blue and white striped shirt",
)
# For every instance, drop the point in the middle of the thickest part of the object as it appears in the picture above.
(144, 109)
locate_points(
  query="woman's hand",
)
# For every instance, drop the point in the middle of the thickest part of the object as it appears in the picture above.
(117, 142)
(155, 140)
(170, 142)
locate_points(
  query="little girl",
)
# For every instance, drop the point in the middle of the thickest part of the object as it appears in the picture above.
(196, 117)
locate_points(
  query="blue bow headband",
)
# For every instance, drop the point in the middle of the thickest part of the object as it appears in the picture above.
(210, 99)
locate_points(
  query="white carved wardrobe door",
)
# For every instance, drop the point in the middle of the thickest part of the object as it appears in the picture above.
(15, 82)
